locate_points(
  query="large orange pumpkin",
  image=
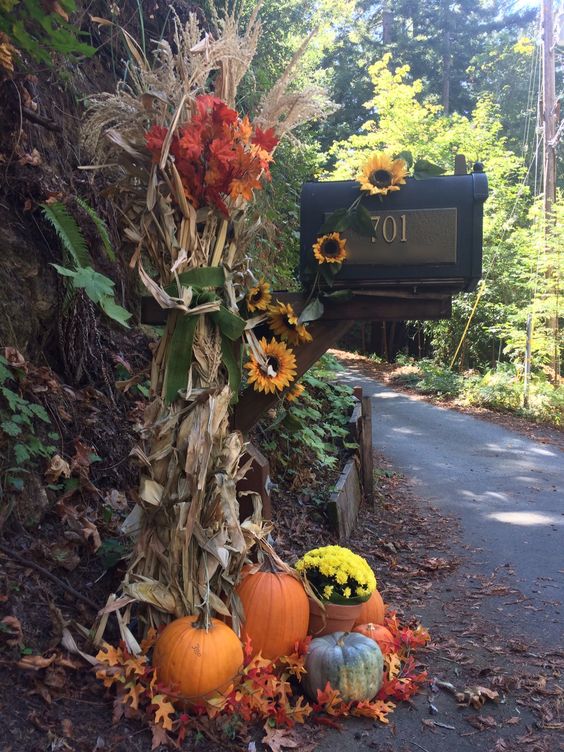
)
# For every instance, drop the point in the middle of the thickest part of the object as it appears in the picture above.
(379, 634)
(276, 612)
(372, 611)
(194, 662)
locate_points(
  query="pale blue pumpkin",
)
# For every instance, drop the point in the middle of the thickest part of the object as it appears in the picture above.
(349, 661)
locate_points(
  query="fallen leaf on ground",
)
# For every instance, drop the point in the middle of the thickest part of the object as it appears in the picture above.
(476, 696)
(11, 626)
(278, 739)
(35, 662)
(482, 722)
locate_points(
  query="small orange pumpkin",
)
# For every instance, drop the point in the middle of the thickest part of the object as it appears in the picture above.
(195, 662)
(379, 634)
(276, 607)
(372, 610)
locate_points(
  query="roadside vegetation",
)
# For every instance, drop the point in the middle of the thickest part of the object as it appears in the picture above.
(499, 388)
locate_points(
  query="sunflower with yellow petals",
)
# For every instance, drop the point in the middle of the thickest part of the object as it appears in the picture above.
(259, 297)
(295, 392)
(381, 174)
(330, 249)
(283, 321)
(279, 370)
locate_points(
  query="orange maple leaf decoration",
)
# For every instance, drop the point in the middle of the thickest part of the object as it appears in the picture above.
(377, 709)
(163, 710)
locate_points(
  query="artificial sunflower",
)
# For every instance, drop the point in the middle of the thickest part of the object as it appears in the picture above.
(259, 297)
(330, 249)
(382, 174)
(280, 368)
(283, 321)
(295, 392)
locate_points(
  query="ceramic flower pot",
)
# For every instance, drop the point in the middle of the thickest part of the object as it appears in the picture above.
(334, 618)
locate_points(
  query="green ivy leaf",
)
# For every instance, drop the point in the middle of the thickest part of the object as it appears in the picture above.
(115, 311)
(338, 296)
(338, 221)
(362, 222)
(5, 373)
(16, 483)
(10, 428)
(21, 453)
(40, 412)
(407, 157)
(425, 169)
(97, 286)
(313, 310)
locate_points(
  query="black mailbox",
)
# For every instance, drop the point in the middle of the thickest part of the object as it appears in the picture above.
(426, 235)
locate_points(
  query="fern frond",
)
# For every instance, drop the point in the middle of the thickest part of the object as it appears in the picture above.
(69, 233)
(101, 226)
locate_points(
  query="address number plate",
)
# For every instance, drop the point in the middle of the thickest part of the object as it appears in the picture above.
(402, 238)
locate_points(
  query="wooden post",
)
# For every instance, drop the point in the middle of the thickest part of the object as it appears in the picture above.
(549, 160)
(527, 370)
(366, 453)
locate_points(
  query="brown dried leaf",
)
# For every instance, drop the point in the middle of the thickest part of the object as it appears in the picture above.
(34, 159)
(7, 52)
(35, 662)
(11, 626)
(476, 696)
(277, 739)
(57, 467)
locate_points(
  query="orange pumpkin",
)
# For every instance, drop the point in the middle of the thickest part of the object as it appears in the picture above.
(379, 634)
(276, 611)
(194, 662)
(372, 610)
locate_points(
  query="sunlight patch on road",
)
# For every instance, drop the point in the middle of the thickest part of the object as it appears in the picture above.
(522, 451)
(526, 518)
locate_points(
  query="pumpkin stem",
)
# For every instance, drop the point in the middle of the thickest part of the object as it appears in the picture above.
(203, 621)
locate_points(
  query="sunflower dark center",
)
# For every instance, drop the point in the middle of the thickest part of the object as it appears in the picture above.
(273, 363)
(289, 323)
(256, 296)
(380, 178)
(331, 248)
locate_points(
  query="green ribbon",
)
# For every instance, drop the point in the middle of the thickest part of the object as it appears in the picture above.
(229, 324)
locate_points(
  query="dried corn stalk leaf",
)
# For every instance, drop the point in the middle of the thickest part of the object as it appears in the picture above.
(155, 593)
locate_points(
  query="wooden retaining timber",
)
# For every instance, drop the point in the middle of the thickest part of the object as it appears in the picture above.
(357, 478)
(345, 500)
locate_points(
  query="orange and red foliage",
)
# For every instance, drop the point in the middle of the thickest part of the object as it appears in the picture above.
(217, 154)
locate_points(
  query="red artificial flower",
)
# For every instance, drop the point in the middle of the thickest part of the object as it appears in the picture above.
(267, 140)
(154, 139)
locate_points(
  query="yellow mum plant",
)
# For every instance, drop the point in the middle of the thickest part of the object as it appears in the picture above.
(337, 574)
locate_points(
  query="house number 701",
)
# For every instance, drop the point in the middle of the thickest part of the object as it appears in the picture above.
(389, 227)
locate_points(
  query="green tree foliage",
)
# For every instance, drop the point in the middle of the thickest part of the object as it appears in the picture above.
(439, 40)
(520, 275)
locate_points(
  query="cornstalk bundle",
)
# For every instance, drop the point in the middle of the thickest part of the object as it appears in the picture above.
(184, 168)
